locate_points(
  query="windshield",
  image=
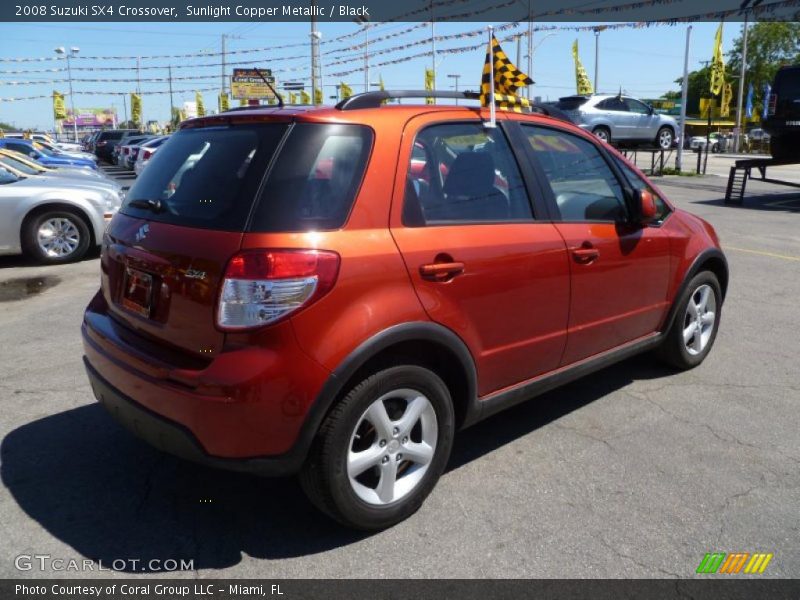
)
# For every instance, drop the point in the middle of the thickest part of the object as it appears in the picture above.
(43, 150)
(18, 156)
(7, 176)
(18, 165)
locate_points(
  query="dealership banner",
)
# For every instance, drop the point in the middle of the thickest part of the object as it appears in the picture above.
(91, 117)
(382, 10)
(730, 588)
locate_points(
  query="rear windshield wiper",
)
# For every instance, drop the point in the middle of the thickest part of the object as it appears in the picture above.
(146, 203)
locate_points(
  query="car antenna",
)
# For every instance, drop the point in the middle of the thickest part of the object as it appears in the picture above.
(269, 85)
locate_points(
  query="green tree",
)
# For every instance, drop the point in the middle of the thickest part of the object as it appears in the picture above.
(769, 46)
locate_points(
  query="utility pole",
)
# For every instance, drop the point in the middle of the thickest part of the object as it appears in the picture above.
(125, 108)
(530, 49)
(222, 79)
(139, 93)
(316, 65)
(171, 103)
(519, 49)
(739, 120)
(73, 51)
(433, 47)
(684, 100)
(596, 58)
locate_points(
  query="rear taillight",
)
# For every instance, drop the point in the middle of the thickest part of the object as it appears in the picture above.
(772, 104)
(263, 286)
(147, 154)
(125, 150)
(101, 143)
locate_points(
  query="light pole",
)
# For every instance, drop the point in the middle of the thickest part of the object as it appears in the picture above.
(456, 77)
(73, 51)
(739, 120)
(596, 57)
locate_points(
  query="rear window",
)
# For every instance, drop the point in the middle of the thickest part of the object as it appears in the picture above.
(571, 103)
(111, 135)
(208, 177)
(315, 178)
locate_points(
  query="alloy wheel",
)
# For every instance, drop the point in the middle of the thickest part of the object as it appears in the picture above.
(665, 139)
(698, 322)
(392, 446)
(58, 237)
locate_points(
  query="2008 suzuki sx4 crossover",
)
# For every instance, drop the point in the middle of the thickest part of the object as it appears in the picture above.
(335, 291)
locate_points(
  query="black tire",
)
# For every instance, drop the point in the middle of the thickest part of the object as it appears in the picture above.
(324, 476)
(602, 132)
(30, 243)
(673, 349)
(662, 131)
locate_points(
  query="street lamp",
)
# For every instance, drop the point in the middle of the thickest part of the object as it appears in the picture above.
(73, 51)
(456, 77)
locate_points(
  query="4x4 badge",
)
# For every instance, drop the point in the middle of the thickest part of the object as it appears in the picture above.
(142, 232)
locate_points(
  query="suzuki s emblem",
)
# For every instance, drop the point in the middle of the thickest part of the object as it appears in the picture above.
(140, 235)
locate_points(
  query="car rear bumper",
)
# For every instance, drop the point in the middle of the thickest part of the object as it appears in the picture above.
(244, 409)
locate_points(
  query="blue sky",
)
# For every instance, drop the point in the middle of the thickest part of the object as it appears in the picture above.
(643, 62)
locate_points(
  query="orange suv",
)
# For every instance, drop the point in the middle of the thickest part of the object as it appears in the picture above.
(335, 291)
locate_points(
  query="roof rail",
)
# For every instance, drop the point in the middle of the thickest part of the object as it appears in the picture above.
(376, 99)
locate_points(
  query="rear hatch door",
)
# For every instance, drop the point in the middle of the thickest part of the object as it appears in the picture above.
(165, 254)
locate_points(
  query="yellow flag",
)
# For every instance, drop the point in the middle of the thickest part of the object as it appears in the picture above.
(59, 109)
(223, 102)
(292, 98)
(582, 82)
(507, 80)
(201, 109)
(429, 85)
(136, 108)
(345, 91)
(725, 102)
(717, 64)
(305, 97)
(242, 101)
(318, 96)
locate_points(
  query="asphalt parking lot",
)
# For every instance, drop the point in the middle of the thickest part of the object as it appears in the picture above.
(635, 471)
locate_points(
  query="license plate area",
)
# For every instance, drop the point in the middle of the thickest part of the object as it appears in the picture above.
(137, 292)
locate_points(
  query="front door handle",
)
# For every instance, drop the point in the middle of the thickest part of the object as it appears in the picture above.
(585, 254)
(442, 271)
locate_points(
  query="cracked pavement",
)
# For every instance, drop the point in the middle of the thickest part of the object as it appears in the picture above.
(635, 471)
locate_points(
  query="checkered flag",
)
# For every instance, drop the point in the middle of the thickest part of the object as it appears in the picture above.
(507, 79)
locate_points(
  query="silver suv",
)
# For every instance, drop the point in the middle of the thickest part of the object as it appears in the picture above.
(620, 119)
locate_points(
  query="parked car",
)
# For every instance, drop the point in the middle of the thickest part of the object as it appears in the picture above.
(130, 148)
(25, 162)
(618, 118)
(146, 152)
(45, 156)
(45, 139)
(55, 150)
(758, 135)
(714, 139)
(21, 167)
(52, 221)
(106, 141)
(273, 301)
(783, 114)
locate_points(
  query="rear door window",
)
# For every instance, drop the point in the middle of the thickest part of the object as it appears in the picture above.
(207, 177)
(463, 173)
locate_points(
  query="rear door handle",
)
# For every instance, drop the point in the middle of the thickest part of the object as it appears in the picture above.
(443, 271)
(585, 254)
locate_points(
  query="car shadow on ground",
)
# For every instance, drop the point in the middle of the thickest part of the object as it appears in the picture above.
(782, 201)
(100, 490)
(22, 261)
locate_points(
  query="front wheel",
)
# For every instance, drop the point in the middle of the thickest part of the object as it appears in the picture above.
(603, 134)
(381, 450)
(694, 329)
(664, 138)
(56, 236)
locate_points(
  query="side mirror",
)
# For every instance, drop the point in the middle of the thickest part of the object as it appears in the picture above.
(647, 206)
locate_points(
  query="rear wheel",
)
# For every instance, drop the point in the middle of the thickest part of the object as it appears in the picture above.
(381, 450)
(664, 138)
(603, 134)
(56, 236)
(695, 326)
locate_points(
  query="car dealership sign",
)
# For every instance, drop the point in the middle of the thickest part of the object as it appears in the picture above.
(248, 83)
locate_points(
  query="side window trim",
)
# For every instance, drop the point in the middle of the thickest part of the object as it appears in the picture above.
(548, 190)
(404, 164)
